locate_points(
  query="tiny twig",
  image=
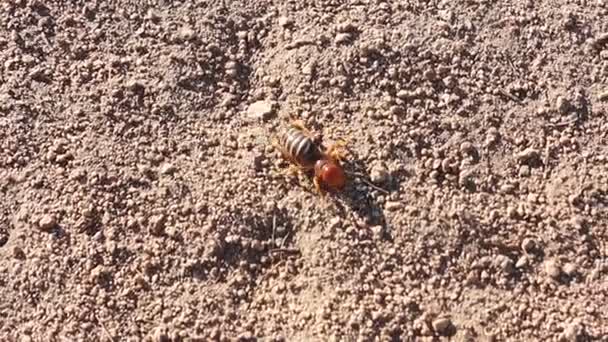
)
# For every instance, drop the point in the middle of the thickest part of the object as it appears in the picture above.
(562, 124)
(509, 95)
(363, 178)
(103, 327)
(285, 250)
(284, 239)
(274, 227)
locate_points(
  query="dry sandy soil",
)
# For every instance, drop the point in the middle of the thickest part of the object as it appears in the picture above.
(141, 198)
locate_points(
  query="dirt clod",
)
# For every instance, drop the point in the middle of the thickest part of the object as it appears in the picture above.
(553, 268)
(379, 173)
(47, 222)
(260, 110)
(441, 325)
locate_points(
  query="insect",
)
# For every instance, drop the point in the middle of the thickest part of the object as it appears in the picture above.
(297, 144)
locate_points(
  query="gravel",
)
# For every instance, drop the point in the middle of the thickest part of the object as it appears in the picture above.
(142, 199)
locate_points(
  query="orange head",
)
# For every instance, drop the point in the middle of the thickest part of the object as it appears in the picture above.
(330, 173)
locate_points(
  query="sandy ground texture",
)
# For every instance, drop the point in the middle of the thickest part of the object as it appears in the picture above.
(141, 198)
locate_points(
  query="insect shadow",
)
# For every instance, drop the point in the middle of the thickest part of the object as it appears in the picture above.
(360, 196)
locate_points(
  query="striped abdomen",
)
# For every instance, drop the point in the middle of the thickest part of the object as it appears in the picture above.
(300, 147)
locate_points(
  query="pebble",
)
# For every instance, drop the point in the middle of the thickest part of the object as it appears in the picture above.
(570, 269)
(159, 334)
(98, 236)
(346, 27)
(168, 169)
(603, 96)
(379, 173)
(572, 333)
(285, 21)
(135, 85)
(441, 325)
(308, 69)
(47, 222)
(403, 94)
(258, 161)
(504, 263)
(378, 232)
(528, 245)
(335, 222)
(393, 206)
(429, 74)
(528, 155)
(186, 33)
(157, 224)
(524, 171)
(562, 104)
(467, 147)
(522, 262)
(257, 245)
(507, 188)
(18, 253)
(97, 273)
(342, 38)
(260, 110)
(553, 269)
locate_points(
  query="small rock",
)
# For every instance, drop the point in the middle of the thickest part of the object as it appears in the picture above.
(378, 232)
(98, 236)
(570, 269)
(334, 223)
(562, 105)
(553, 269)
(467, 147)
(507, 188)
(186, 33)
(403, 94)
(504, 263)
(346, 27)
(379, 173)
(157, 224)
(231, 65)
(159, 334)
(258, 161)
(527, 155)
(260, 110)
(572, 333)
(429, 74)
(152, 15)
(228, 100)
(522, 262)
(257, 245)
(245, 336)
(285, 21)
(167, 169)
(342, 38)
(136, 85)
(97, 273)
(441, 325)
(308, 69)
(395, 110)
(47, 222)
(528, 245)
(393, 206)
(524, 171)
(18, 253)
(603, 96)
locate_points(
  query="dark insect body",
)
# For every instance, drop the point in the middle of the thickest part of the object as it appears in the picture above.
(298, 146)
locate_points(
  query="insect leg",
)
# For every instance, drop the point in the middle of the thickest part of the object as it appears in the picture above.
(299, 124)
(318, 187)
(338, 150)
